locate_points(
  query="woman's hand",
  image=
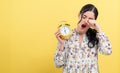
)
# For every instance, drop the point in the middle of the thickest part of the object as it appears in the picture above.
(94, 25)
(60, 40)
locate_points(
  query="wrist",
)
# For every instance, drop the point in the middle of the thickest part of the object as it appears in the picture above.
(98, 29)
(61, 47)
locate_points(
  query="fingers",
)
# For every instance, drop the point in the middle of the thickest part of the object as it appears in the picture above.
(58, 37)
(92, 23)
(57, 34)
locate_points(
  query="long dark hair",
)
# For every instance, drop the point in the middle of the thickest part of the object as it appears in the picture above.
(91, 33)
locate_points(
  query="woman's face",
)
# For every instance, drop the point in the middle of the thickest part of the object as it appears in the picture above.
(83, 26)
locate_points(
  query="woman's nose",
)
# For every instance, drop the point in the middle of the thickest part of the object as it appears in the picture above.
(86, 20)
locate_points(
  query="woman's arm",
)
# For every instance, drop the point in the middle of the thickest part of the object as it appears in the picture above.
(59, 56)
(104, 46)
(60, 53)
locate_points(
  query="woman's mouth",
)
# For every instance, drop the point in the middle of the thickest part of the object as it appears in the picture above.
(83, 25)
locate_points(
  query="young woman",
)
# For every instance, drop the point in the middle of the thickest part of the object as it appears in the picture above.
(79, 53)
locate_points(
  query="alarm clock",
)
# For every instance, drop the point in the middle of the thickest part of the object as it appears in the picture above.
(65, 30)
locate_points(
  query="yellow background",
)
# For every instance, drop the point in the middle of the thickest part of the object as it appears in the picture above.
(27, 41)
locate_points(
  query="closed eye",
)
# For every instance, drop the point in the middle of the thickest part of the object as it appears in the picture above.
(91, 18)
(84, 16)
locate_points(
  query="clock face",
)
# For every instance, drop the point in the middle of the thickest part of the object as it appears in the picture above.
(65, 30)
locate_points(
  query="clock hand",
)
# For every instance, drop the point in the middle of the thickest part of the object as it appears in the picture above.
(65, 31)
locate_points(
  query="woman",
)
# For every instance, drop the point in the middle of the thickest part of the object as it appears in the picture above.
(79, 53)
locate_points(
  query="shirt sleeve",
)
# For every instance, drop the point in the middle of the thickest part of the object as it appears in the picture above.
(104, 46)
(59, 57)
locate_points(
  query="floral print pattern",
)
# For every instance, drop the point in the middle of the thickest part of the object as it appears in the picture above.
(79, 58)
